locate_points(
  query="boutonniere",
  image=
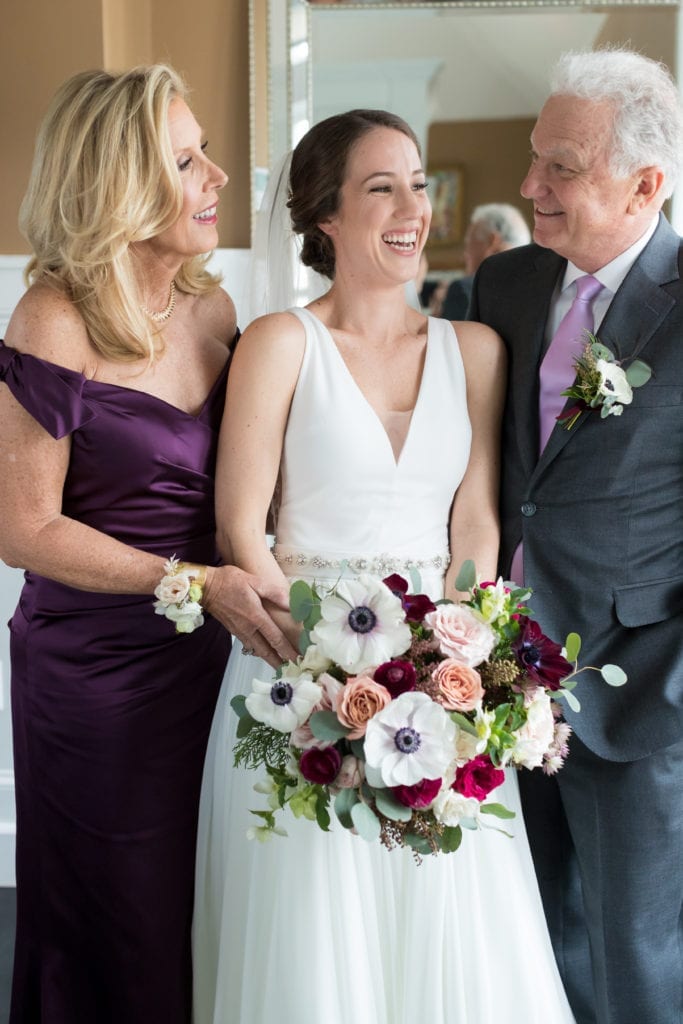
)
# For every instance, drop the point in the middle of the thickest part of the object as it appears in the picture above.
(602, 382)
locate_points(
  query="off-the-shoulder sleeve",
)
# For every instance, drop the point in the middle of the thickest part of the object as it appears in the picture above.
(52, 394)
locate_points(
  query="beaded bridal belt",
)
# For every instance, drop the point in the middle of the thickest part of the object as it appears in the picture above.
(308, 562)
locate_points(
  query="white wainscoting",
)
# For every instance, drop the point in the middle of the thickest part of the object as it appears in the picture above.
(234, 265)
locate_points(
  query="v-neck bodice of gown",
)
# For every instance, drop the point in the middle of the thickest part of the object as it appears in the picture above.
(372, 508)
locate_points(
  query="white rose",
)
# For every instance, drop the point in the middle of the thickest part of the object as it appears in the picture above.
(314, 661)
(172, 589)
(535, 737)
(450, 807)
(613, 383)
(190, 610)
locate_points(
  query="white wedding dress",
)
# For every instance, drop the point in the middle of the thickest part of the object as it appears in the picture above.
(323, 928)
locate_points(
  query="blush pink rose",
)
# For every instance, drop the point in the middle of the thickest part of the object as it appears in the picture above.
(459, 685)
(359, 700)
(460, 634)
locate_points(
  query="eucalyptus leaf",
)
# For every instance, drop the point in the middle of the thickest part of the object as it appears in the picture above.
(572, 646)
(467, 576)
(373, 776)
(344, 801)
(358, 750)
(418, 843)
(497, 810)
(601, 351)
(239, 706)
(390, 807)
(450, 839)
(366, 822)
(469, 823)
(613, 675)
(571, 700)
(638, 373)
(415, 580)
(326, 726)
(304, 641)
(244, 726)
(301, 600)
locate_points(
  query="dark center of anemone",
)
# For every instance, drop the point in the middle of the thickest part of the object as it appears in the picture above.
(531, 655)
(407, 740)
(362, 619)
(609, 385)
(281, 692)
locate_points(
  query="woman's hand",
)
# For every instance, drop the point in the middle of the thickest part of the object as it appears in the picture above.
(236, 599)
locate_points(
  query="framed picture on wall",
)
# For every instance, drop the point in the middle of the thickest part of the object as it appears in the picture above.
(446, 196)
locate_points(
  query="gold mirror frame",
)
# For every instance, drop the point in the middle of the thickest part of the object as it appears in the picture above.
(281, 93)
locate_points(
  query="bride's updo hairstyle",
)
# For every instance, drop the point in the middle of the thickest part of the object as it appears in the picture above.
(318, 172)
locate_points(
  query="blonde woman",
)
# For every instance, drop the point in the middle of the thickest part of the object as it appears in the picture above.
(114, 373)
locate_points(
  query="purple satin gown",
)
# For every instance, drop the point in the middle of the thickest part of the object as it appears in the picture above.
(111, 716)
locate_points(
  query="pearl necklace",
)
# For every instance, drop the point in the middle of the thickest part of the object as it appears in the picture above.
(163, 314)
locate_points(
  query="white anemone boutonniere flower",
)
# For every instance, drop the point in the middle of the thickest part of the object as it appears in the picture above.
(602, 382)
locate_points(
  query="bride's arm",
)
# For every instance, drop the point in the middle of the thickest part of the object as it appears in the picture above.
(261, 384)
(475, 527)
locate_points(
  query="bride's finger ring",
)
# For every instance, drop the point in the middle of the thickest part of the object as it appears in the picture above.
(247, 650)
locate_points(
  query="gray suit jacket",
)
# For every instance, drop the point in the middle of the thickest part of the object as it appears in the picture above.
(601, 511)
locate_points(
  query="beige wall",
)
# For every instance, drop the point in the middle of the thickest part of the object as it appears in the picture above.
(494, 156)
(43, 42)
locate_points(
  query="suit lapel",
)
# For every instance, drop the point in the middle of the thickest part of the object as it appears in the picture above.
(537, 278)
(635, 313)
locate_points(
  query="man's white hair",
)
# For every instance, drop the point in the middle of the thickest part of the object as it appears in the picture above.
(648, 120)
(504, 220)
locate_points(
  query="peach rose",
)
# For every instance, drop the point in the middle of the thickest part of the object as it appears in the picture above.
(358, 702)
(459, 685)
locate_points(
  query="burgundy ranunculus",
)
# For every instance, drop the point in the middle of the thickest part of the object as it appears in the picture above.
(418, 795)
(478, 777)
(397, 676)
(540, 656)
(415, 606)
(320, 765)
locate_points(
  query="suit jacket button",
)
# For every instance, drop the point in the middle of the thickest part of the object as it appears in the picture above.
(528, 508)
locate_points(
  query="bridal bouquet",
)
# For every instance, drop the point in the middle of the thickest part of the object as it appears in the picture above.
(400, 714)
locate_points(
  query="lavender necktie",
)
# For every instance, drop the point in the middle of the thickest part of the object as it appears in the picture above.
(557, 373)
(557, 369)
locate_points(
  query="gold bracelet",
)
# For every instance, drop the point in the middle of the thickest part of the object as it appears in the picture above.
(179, 594)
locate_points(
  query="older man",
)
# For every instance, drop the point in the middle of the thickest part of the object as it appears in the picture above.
(594, 514)
(493, 227)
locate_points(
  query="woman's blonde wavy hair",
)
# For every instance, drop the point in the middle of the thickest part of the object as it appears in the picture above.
(104, 177)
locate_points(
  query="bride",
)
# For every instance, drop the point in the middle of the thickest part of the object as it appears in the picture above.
(380, 429)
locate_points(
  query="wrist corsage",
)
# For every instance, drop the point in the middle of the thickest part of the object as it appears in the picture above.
(179, 595)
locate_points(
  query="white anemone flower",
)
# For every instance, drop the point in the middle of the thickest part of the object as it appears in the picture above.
(285, 703)
(362, 625)
(409, 740)
(614, 387)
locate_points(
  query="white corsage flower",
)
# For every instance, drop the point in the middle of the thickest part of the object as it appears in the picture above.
(187, 617)
(614, 387)
(285, 703)
(409, 740)
(362, 624)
